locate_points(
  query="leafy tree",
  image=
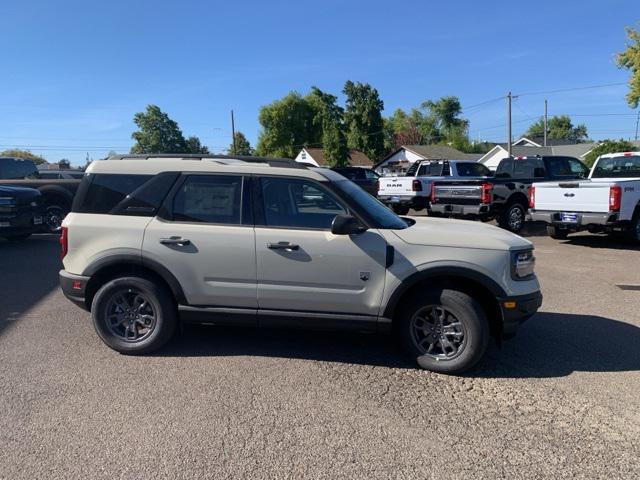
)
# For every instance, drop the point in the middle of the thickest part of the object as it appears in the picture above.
(630, 60)
(24, 154)
(64, 164)
(243, 147)
(609, 146)
(363, 119)
(288, 124)
(329, 118)
(193, 145)
(445, 115)
(558, 127)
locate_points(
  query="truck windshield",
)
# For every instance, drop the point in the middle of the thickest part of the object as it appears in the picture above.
(383, 217)
(619, 167)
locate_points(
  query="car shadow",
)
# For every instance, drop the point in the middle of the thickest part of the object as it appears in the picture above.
(611, 242)
(548, 345)
(28, 272)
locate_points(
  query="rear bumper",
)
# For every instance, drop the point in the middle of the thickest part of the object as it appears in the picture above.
(461, 210)
(583, 219)
(516, 310)
(404, 200)
(73, 287)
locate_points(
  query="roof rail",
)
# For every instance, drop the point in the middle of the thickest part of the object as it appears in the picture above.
(271, 161)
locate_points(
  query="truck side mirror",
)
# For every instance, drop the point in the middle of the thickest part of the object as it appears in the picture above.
(346, 225)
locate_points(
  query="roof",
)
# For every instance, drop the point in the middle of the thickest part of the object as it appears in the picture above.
(157, 163)
(356, 158)
(435, 152)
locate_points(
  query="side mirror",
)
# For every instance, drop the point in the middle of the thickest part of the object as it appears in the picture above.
(346, 225)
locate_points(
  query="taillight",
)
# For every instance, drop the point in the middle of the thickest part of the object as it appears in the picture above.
(615, 195)
(532, 197)
(416, 186)
(485, 194)
(433, 193)
(64, 242)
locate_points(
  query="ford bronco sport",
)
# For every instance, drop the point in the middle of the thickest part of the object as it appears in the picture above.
(156, 239)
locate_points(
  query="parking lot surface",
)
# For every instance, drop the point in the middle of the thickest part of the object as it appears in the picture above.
(560, 400)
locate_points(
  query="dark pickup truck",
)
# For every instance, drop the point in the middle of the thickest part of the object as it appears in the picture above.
(21, 212)
(504, 197)
(57, 194)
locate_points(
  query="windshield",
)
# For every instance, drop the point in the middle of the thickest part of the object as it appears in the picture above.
(383, 217)
(618, 167)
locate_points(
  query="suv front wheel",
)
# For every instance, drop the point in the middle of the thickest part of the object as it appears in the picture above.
(446, 331)
(134, 315)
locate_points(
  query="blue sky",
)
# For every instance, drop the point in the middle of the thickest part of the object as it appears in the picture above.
(75, 72)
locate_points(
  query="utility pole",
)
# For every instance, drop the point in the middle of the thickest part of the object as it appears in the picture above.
(509, 137)
(637, 123)
(233, 133)
(545, 122)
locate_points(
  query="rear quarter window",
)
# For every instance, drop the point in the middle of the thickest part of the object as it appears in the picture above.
(101, 193)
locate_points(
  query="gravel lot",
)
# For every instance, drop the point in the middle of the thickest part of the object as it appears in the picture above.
(562, 399)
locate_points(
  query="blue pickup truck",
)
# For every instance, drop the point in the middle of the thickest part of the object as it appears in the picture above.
(21, 212)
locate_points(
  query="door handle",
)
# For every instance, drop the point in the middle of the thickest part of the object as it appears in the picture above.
(175, 241)
(283, 246)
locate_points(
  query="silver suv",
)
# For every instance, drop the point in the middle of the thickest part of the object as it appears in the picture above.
(155, 240)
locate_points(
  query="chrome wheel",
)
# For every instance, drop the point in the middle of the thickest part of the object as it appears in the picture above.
(130, 315)
(438, 333)
(516, 218)
(53, 218)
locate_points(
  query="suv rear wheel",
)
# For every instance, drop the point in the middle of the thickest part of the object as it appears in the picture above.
(446, 331)
(134, 315)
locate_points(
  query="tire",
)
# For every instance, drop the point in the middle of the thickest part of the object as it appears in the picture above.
(18, 238)
(117, 327)
(513, 217)
(464, 319)
(400, 209)
(633, 231)
(557, 234)
(55, 212)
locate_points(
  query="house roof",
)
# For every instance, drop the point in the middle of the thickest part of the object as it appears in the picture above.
(355, 157)
(435, 152)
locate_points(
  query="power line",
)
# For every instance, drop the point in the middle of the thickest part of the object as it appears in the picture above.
(570, 89)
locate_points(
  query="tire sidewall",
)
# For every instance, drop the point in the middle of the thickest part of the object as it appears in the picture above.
(162, 304)
(507, 215)
(467, 311)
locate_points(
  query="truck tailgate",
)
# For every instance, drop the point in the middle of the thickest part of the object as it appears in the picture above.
(582, 196)
(396, 186)
(458, 192)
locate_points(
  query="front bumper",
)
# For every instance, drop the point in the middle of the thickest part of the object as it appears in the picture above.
(583, 219)
(20, 220)
(516, 310)
(74, 286)
(461, 210)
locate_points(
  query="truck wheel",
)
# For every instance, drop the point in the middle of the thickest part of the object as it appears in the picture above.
(445, 331)
(134, 315)
(54, 215)
(400, 209)
(513, 217)
(633, 232)
(556, 233)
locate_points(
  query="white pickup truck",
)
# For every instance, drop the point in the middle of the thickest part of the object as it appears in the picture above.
(608, 201)
(413, 190)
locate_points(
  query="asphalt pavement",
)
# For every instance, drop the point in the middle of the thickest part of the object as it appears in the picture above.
(561, 400)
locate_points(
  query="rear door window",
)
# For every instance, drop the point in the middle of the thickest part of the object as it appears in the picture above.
(12, 169)
(209, 199)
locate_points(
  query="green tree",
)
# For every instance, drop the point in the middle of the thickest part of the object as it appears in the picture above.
(363, 119)
(24, 154)
(609, 146)
(444, 114)
(193, 145)
(558, 127)
(287, 125)
(329, 118)
(630, 60)
(157, 133)
(243, 147)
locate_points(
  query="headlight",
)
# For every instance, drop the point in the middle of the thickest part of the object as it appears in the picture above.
(522, 264)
